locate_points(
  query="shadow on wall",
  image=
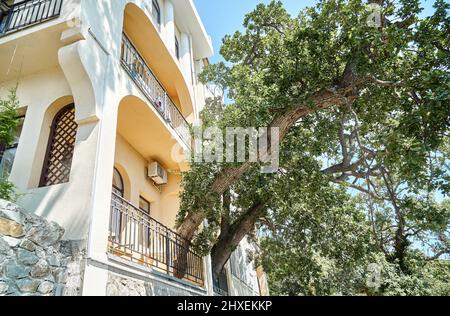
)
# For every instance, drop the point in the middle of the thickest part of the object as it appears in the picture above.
(56, 201)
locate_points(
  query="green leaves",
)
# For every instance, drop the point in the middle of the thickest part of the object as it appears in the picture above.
(8, 125)
(318, 247)
(388, 144)
(7, 190)
(8, 118)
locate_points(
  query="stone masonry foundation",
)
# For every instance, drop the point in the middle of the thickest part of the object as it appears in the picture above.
(34, 261)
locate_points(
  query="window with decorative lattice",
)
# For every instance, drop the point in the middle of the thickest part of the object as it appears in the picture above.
(60, 148)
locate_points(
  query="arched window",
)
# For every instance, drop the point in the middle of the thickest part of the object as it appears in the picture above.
(60, 148)
(118, 187)
(117, 208)
(156, 12)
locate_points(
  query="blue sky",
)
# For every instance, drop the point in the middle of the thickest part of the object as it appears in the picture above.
(222, 17)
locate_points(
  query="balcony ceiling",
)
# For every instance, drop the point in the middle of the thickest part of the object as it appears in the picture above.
(188, 19)
(150, 45)
(143, 129)
(28, 51)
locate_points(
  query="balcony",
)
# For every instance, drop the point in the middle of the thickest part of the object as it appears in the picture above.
(146, 81)
(135, 236)
(27, 13)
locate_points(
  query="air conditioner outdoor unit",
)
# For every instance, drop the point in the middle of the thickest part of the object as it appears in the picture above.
(157, 173)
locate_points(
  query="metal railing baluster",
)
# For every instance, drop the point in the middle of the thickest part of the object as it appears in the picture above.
(147, 82)
(149, 242)
(28, 13)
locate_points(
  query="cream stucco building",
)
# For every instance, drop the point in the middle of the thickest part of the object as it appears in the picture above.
(108, 89)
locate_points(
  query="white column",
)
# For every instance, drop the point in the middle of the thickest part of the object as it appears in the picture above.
(99, 101)
(208, 276)
(185, 56)
(169, 25)
(96, 276)
(22, 171)
(231, 289)
(95, 280)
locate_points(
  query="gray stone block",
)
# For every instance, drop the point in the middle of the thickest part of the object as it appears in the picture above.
(27, 257)
(28, 285)
(14, 216)
(47, 235)
(46, 287)
(28, 245)
(53, 260)
(12, 242)
(4, 287)
(15, 271)
(40, 269)
(4, 247)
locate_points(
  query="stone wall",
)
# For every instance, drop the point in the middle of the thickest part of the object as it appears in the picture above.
(120, 285)
(33, 258)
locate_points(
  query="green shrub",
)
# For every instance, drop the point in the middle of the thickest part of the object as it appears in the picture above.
(8, 125)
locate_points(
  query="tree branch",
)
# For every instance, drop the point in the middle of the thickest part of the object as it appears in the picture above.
(387, 83)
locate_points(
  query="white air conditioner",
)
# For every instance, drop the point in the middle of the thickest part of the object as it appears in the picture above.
(157, 173)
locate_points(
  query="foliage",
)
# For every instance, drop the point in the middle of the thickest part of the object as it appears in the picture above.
(7, 190)
(8, 125)
(8, 118)
(360, 182)
(320, 248)
(338, 261)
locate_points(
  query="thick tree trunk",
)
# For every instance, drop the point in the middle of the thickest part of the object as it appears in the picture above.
(323, 100)
(401, 246)
(229, 240)
(401, 242)
(190, 225)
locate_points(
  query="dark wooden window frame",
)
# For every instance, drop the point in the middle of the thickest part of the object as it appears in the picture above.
(51, 139)
(141, 198)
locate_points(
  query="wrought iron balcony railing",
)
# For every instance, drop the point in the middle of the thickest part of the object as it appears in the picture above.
(147, 82)
(27, 13)
(135, 236)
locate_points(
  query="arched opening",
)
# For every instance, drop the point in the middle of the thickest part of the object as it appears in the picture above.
(60, 148)
(142, 41)
(141, 221)
(118, 216)
(143, 130)
(118, 184)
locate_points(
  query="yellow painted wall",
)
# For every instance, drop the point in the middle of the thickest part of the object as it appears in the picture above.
(133, 168)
